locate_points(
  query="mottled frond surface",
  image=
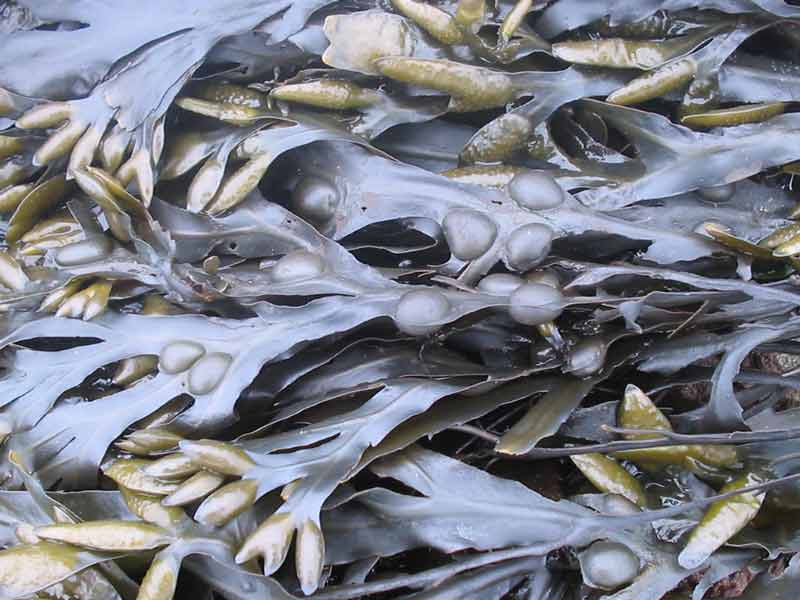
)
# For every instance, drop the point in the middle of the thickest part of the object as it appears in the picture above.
(408, 299)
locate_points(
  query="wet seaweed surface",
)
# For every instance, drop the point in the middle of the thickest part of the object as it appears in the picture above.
(409, 299)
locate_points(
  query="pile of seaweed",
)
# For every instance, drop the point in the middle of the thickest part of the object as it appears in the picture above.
(444, 298)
